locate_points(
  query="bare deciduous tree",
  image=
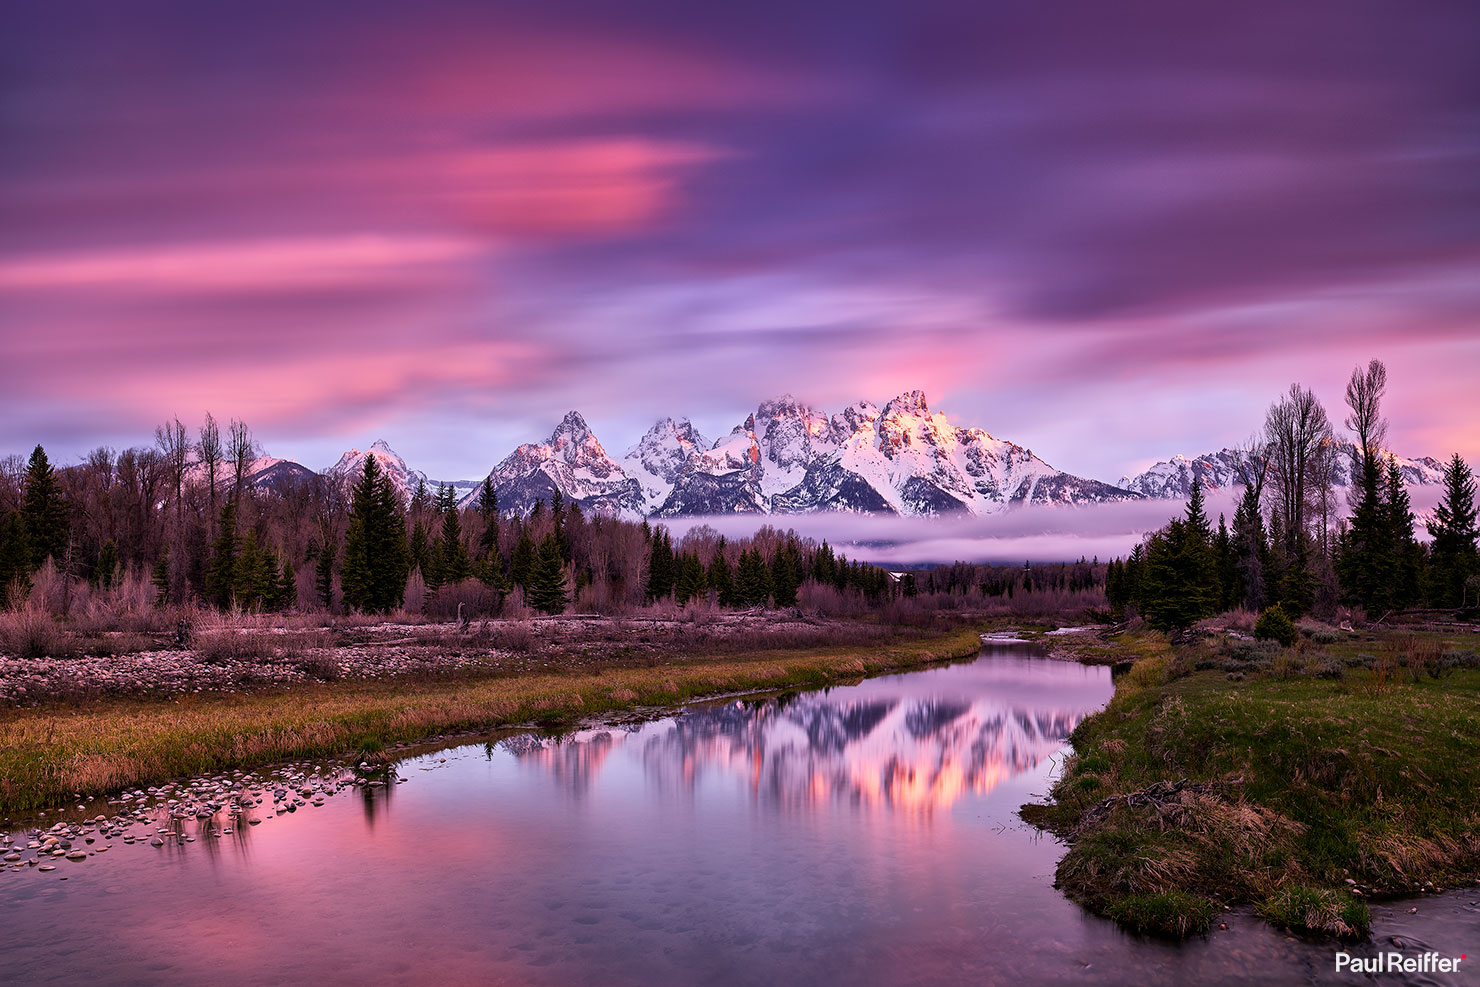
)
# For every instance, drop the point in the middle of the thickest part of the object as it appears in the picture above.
(1296, 430)
(241, 451)
(174, 449)
(211, 454)
(1364, 398)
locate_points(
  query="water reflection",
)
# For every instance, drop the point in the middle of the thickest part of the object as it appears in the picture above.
(862, 835)
(914, 744)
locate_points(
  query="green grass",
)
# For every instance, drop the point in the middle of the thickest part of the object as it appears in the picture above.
(1164, 913)
(1370, 777)
(51, 755)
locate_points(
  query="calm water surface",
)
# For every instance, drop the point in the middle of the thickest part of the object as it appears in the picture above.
(863, 835)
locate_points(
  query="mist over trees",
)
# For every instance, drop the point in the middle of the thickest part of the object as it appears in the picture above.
(1291, 547)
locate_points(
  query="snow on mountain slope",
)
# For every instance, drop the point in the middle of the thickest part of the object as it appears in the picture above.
(352, 464)
(723, 480)
(1172, 478)
(573, 461)
(659, 456)
(905, 459)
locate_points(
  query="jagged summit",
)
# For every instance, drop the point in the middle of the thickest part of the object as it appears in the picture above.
(905, 459)
(572, 461)
(1172, 478)
(403, 478)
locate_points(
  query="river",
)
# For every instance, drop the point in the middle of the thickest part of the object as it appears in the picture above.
(862, 834)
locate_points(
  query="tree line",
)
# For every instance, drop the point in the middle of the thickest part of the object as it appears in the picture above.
(1292, 545)
(184, 515)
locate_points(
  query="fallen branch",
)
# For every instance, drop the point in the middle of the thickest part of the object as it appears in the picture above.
(1158, 796)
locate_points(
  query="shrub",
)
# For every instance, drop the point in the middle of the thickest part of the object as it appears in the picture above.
(1275, 625)
(33, 633)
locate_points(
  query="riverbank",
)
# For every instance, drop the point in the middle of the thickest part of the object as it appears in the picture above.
(1303, 781)
(60, 751)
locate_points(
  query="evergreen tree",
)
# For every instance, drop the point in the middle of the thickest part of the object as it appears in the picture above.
(287, 587)
(452, 553)
(523, 561)
(1115, 595)
(660, 566)
(221, 573)
(1250, 547)
(106, 572)
(323, 582)
(15, 560)
(753, 578)
(376, 556)
(420, 549)
(785, 574)
(488, 511)
(690, 583)
(720, 579)
(1453, 529)
(159, 576)
(547, 588)
(44, 511)
(251, 583)
(1226, 563)
(1406, 553)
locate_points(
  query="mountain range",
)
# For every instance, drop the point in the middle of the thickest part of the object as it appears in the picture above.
(1173, 478)
(788, 458)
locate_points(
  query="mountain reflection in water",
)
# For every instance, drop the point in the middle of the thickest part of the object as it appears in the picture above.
(914, 744)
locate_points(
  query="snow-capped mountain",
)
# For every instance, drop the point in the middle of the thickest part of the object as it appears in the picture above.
(403, 478)
(572, 461)
(1172, 478)
(658, 457)
(263, 473)
(905, 459)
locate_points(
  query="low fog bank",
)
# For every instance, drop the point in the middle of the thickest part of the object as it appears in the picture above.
(1038, 534)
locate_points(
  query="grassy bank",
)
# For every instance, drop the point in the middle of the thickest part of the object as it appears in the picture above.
(1299, 780)
(53, 754)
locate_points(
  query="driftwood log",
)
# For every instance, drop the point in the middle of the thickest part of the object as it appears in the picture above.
(1164, 796)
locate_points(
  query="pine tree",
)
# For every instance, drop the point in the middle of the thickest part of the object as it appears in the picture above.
(287, 587)
(1406, 553)
(376, 556)
(660, 566)
(159, 576)
(547, 586)
(420, 550)
(452, 553)
(1453, 528)
(44, 511)
(488, 511)
(1250, 546)
(522, 564)
(323, 582)
(106, 571)
(785, 574)
(690, 583)
(720, 579)
(753, 579)
(251, 580)
(1226, 563)
(15, 560)
(221, 572)
(1115, 594)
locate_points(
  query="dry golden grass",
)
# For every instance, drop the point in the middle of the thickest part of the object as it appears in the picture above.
(50, 755)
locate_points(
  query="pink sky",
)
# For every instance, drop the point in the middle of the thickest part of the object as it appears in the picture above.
(1108, 237)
